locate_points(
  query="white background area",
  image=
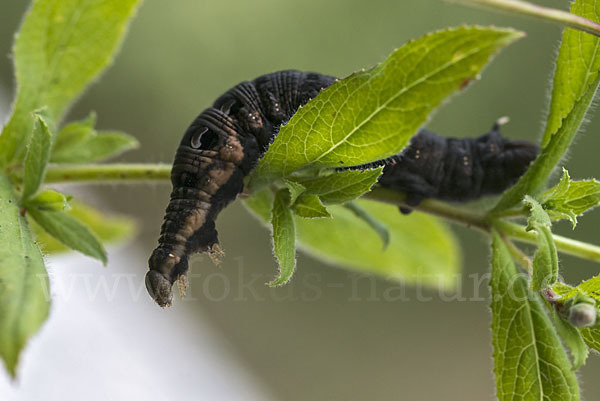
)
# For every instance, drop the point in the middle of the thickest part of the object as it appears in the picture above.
(106, 340)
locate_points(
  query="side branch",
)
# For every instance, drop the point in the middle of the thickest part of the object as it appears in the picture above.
(99, 173)
(483, 223)
(533, 10)
(111, 173)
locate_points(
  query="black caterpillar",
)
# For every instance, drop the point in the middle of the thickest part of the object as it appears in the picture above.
(224, 143)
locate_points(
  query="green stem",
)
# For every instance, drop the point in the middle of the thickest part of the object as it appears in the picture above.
(539, 12)
(110, 173)
(484, 223)
(99, 173)
(517, 254)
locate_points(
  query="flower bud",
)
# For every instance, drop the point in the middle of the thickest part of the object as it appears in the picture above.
(582, 315)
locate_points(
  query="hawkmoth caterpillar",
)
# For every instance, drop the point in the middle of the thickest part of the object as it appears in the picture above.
(224, 143)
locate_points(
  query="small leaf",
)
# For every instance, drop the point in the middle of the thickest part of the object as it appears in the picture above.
(310, 207)
(375, 224)
(372, 114)
(591, 287)
(296, 189)
(284, 238)
(62, 46)
(545, 260)
(97, 147)
(342, 186)
(529, 360)
(36, 159)
(107, 228)
(70, 232)
(24, 287)
(572, 339)
(591, 336)
(49, 200)
(73, 134)
(570, 199)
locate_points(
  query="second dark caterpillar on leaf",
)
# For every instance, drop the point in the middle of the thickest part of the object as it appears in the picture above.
(224, 143)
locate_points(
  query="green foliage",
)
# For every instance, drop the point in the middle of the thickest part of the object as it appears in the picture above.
(310, 207)
(570, 199)
(572, 339)
(298, 187)
(79, 142)
(24, 288)
(576, 69)
(372, 114)
(575, 82)
(342, 187)
(421, 249)
(36, 159)
(591, 336)
(106, 228)
(284, 237)
(529, 360)
(61, 48)
(545, 260)
(70, 232)
(349, 240)
(49, 200)
(379, 228)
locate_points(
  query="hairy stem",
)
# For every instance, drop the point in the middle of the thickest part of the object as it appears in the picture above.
(539, 12)
(99, 173)
(110, 173)
(484, 223)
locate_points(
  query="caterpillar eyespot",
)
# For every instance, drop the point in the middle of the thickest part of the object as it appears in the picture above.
(224, 143)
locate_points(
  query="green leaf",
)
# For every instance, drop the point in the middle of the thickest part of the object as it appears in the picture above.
(576, 68)
(79, 142)
(260, 204)
(545, 260)
(529, 360)
(284, 238)
(591, 287)
(570, 199)
(70, 232)
(310, 207)
(422, 250)
(342, 186)
(73, 134)
(536, 176)
(49, 200)
(36, 159)
(296, 189)
(372, 114)
(591, 336)
(375, 224)
(107, 228)
(572, 339)
(61, 48)
(24, 287)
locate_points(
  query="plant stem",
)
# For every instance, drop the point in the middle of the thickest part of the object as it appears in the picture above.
(539, 12)
(517, 254)
(484, 223)
(99, 173)
(110, 173)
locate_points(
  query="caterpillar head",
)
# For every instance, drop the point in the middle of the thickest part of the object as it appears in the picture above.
(165, 268)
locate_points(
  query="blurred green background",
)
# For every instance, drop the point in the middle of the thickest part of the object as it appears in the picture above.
(329, 335)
